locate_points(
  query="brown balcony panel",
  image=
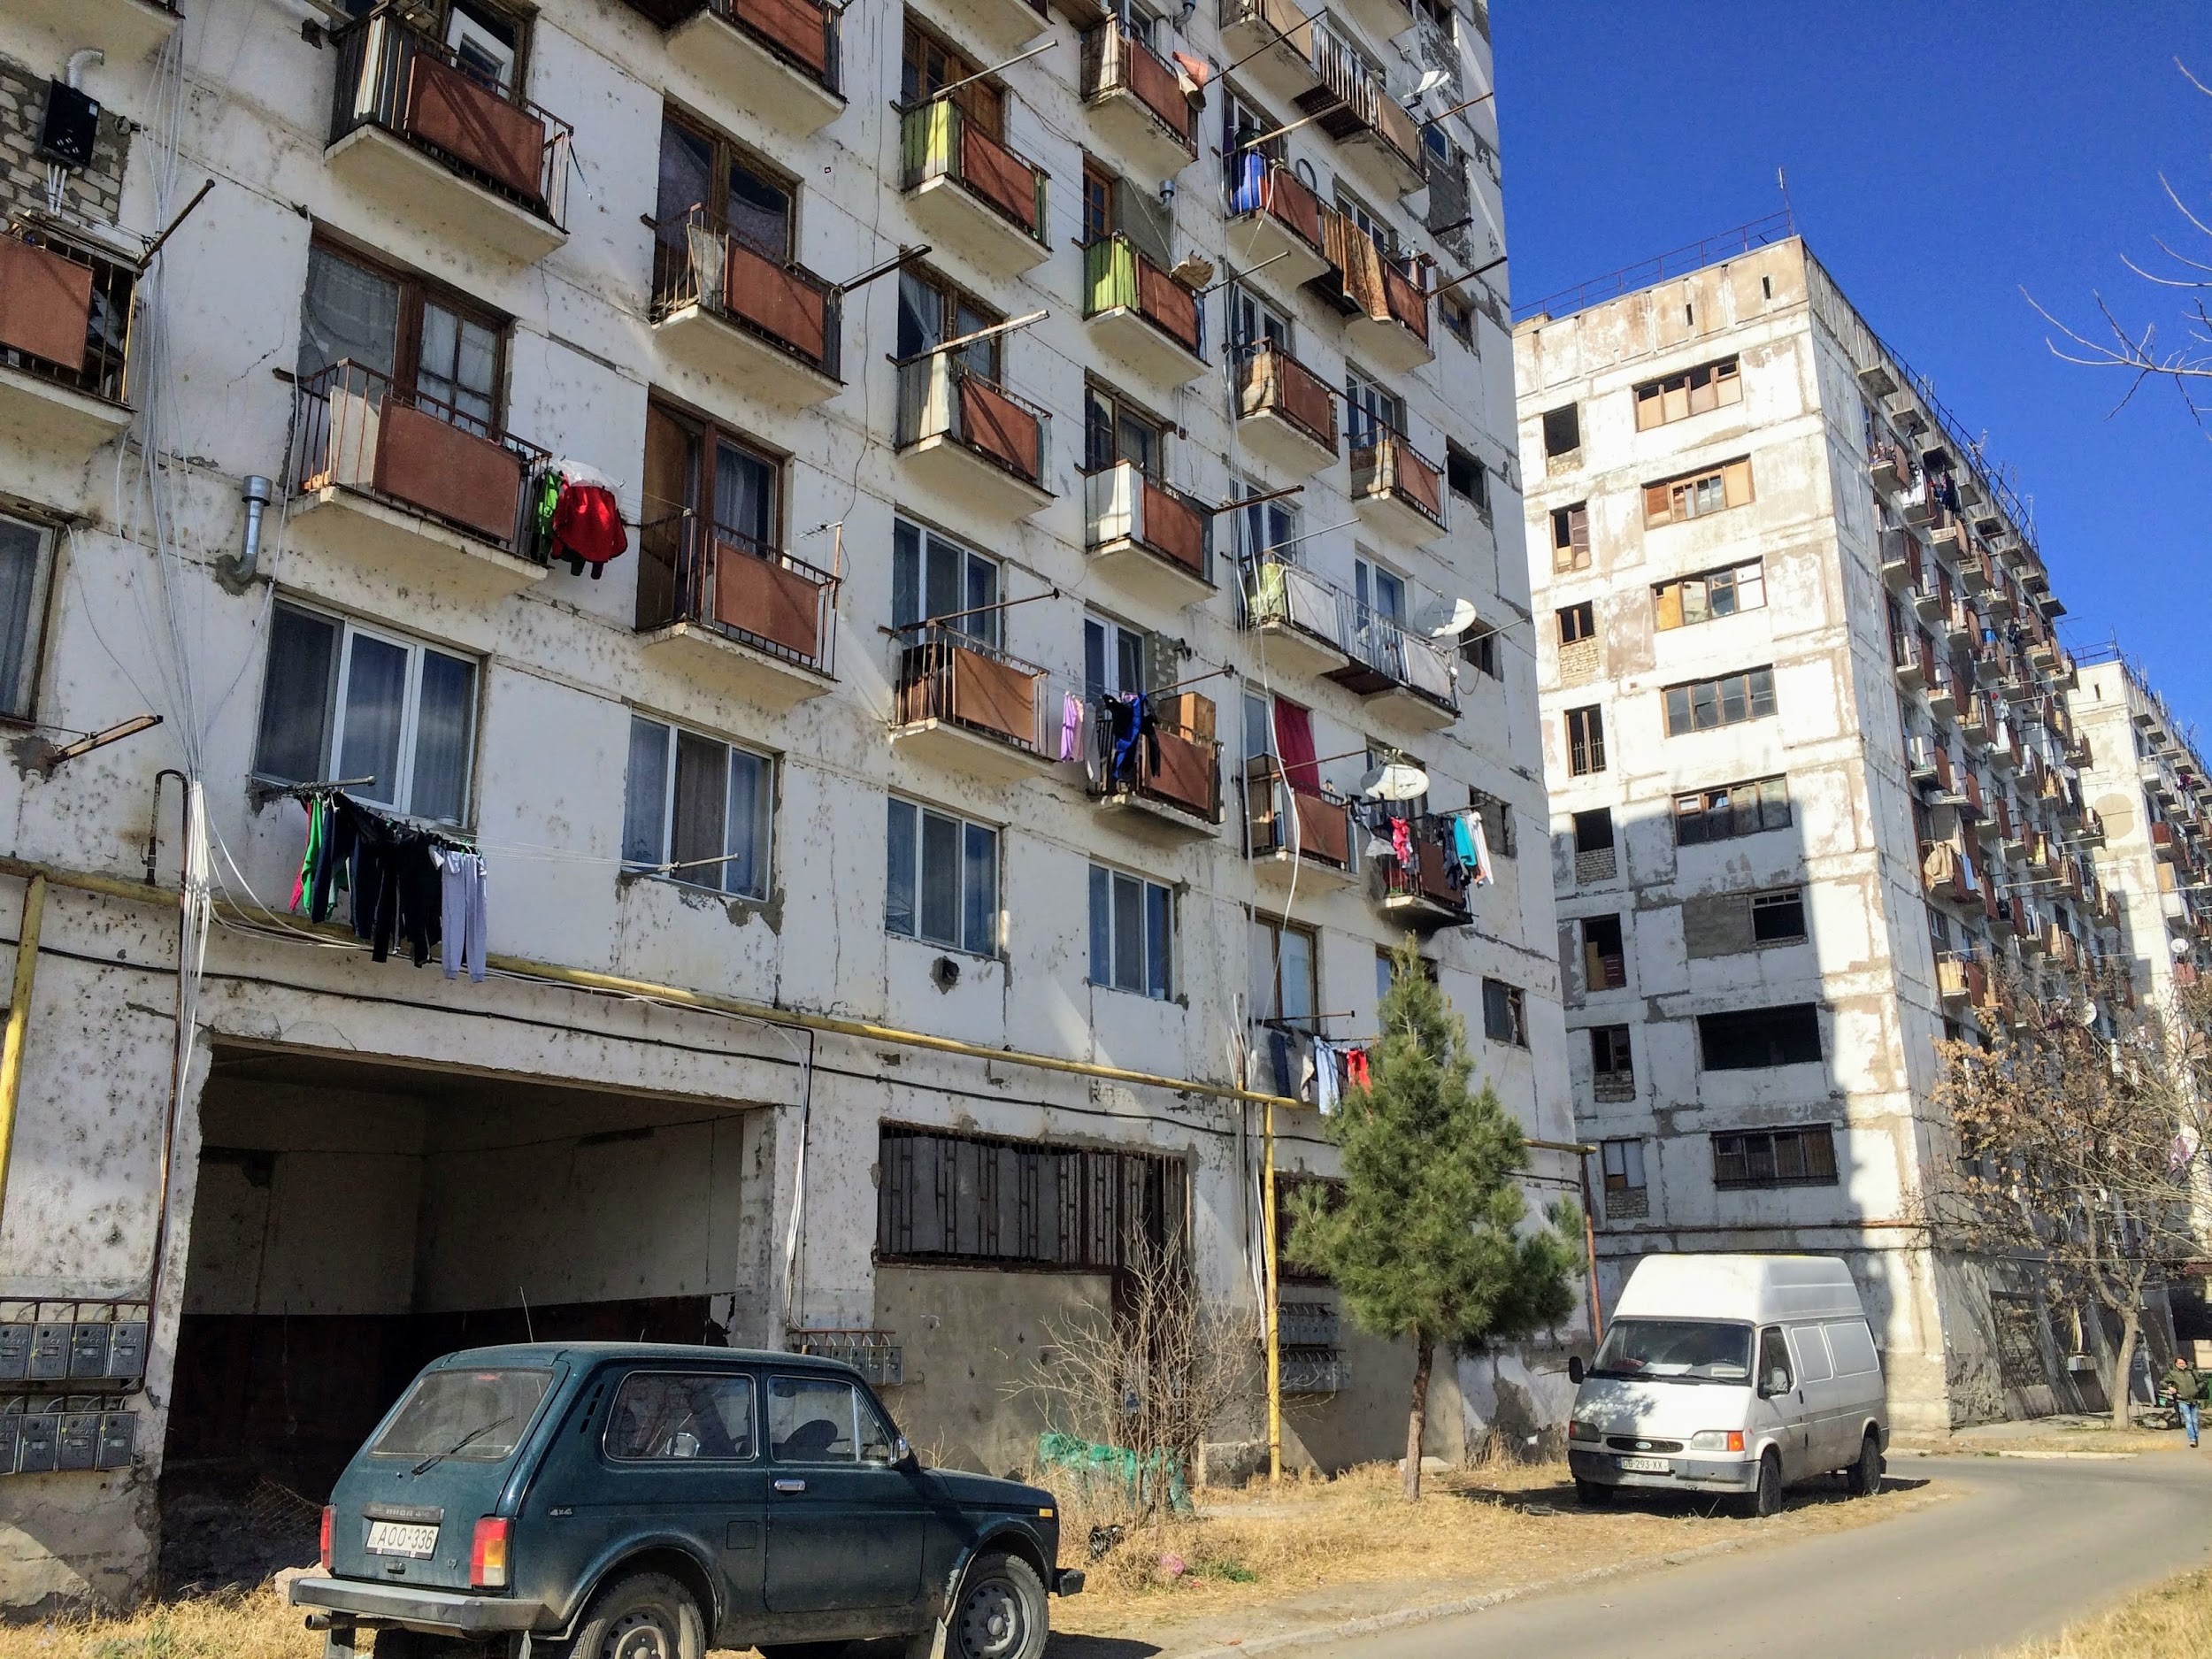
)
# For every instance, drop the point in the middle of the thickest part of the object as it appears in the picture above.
(1324, 829)
(439, 467)
(45, 304)
(759, 597)
(1435, 883)
(1000, 427)
(793, 24)
(764, 293)
(475, 124)
(992, 697)
(1284, 193)
(1186, 773)
(1174, 527)
(999, 176)
(1169, 303)
(1418, 478)
(1408, 303)
(1158, 89)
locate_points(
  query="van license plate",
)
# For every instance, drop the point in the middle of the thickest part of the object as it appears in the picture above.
(398, 1537)
(1629, 1465)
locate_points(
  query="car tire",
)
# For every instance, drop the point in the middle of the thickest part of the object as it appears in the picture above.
(1863, 1478)
(1766, 1497)
(643, 1616)
(1593, 1494)
(1000, 1612)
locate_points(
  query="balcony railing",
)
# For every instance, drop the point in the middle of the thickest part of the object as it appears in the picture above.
(1427, 886)
(1280, 819)
(703, 574)
(353, 429)
(1260, 185)
(1948, 872)
(394, 76)
(698, 260)
(1352, 101)
(1385, 466)
(65, 313)
(937, 141)
(1179, 765)
(1279, 592)
(1117, 277)
(946, 675)
(803, 32)
(1386, 655)
(1123, 504)
(1275, 383)
(940, 395)
(1114, 61)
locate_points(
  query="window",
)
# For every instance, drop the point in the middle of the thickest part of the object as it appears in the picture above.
(1778, 918)
(1751, 1038)
(1721, 593)
(725, 483)
(1115, 430)
(1704, 705)
(1266, 525)
(1457, 314)
(1252, 319)
(702, 169)
(1678, 397)
(1697, 494)
(1116, 658)
(1623, 1161)
(933, 579)
(970, 1198)
(1241, 122)
(1387, 968)
(426, 342)
(928, 63)
(1593, 831)
(488, 42)
(1504, 1013)
(1469, 478)
(1497, 823)
(1370, 411)
(1586, 741)
(1604, 962)
(932, 311)
(1132, 932)
(1775, 1375)
(1612, 1064)
(660, 1414)
(1099, 219)
(1377, 591)
(1577, 623)
(1570, 538)
(1731, 809)
(343, 702)
(697, 810)
(942, 880)
(822, 1420)
(1563, 430)
(1364, 218)
(1478, 646)
(1283, 977)
(26, 552)
(1776, 1158)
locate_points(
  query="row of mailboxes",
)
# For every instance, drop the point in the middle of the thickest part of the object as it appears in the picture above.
(44, 1441)
(74, 1351)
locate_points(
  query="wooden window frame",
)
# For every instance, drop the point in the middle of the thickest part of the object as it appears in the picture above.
(728, 152)
(1686, 701)
(1575, 623)
(1697, 391)
(1120, 407)
(982, 102)
(1275, 926)
(415, 291)
(1586, 740)
(1504, 1004)
(1700, 806)
(1740, 1155)
(1683, 498)
(1669, 599)
(1570, 538)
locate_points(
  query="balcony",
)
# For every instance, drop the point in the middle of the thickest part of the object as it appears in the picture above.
(1170, 782)
(965, 704)
(1136, 100)
(1977, 574)
(1909, 661)
(126, 30)
(1395, 488)
(719, 604)
(1353, 106)
(779, 58)
(1285, 412)
(1151, 537)
(1010, 23)
(2165, 842)
(1295, 834)
(1900, 561)
(413, 125)
(738, 316)
(1394, 334)
(969, 192)
(1140, 314)
(971, 437)
(1948, 873)
(1274, 39)
(1275, 223)
(1385, 20)
(1422, 896)
(1963, 982)
(403, 485)
(1407, 671)
(1943, 700)
(64, 342)
(1889, 468)
(1298, 614)
(1978, 723)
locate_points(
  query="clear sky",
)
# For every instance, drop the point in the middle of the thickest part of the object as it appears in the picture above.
(1941, 158)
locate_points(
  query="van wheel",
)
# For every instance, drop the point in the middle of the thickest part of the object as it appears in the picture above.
(645, 1616)
(1864, 1478)
(1766, 1497)
(1593, 1494)
(1000, 1612)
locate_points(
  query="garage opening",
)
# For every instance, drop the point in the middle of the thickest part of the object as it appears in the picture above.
(355, 1219)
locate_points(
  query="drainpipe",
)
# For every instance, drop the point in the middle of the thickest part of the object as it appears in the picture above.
(19, 1020)
(237, 570)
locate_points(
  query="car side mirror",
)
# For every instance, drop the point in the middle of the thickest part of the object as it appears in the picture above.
(1575, 1370)
(903, 1456)
(1778, 1383)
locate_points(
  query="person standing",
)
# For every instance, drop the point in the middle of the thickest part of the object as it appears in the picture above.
(2188, 1388)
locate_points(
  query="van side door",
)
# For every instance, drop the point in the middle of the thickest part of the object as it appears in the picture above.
(1779, 1411)
(1858, 1380)
(1816, 1387)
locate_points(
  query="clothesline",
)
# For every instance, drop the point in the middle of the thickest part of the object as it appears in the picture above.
(404, 882)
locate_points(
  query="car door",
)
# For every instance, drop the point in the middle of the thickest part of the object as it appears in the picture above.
(1780, 1411)
(845, 1526)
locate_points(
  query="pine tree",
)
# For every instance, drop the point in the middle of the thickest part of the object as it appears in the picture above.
(1426, 1239)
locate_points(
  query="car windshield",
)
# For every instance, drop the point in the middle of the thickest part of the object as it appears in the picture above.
(474, 1416)
(1692, 1350)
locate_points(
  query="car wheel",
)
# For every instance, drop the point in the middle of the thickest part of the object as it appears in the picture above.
(1864, 1478)
(646, 1616)
(1593, 1494)
(1001, 1611)
(1766, 1497)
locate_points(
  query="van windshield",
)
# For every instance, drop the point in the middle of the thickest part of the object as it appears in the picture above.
(1675, 1350)
(475, 1416)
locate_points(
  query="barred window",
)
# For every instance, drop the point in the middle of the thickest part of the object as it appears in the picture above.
(1776, 1158)
(967, 1198)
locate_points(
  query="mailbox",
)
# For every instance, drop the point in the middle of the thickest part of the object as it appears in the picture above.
(78, 1444)
(89, 1351)
(127, 1352)
(15, 1352)
(50, 1353)
(119, 1439)
(35, 1455)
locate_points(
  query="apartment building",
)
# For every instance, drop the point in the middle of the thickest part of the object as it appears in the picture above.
(712, 469)
(1815, 787)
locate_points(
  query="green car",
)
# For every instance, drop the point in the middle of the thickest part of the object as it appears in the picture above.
(606, 1501)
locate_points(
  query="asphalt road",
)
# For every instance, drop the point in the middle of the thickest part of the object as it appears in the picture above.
(2020, 1549)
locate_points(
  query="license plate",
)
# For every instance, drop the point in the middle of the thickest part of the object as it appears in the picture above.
(1629, 1465)
(400, 1538)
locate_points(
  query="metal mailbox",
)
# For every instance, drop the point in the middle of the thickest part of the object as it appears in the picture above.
(50, 1353)
(78, 1444)
(127, 1352)
(89, 1351)
(15, 1352)
(35, 1455)
(119, 1439)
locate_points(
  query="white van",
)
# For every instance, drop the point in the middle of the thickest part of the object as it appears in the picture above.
(1731, 1373)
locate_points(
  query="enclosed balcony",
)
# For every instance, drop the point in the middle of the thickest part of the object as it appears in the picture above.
(1151, 537)
(401, 484)
(415, 125)
(1948, 873)
(779, 59)
(1420, 894)
(1901, 561)
(1394, 335)
(1274, 222)
(971, 193)
(1395, 488)
(126, 30)
(966, 705)
(1295, 834)
(1137, 104)
(1142, 315)
(734, 610)
(1405, 671)
(1274, 42)
(1285, 412)
(1168, 781)
(970, 437)
(731, 312)
(1352, 104)
(65, 341)
(1299, 615)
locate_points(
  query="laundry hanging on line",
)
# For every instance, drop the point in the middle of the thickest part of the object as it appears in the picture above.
(406, 884)
(576, 518)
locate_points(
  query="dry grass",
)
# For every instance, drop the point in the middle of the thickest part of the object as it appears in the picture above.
(236, 1624)
(2173, 1621)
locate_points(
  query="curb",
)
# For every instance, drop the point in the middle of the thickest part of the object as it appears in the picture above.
(2034, 1457)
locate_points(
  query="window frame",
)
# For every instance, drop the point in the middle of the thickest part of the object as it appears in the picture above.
(1562, 423)
(1582, 617)
(726, 155)
(1478, 647)
(959, 310)
(1745, 1145)
(1612, 1042)
(764, 854)
(1570, 538)
(416, 294)
(1586, 740)
(1121, 413)
(1669, 599)
(1687, 701)
(1370, 408)
(1699, 494)
(1595, 931)
(1769, 1025)
(1274, 928)
(1777, 901)
(1619, 1150)
(19, 703)
(982, 100)
(964, 825)
(1157, 957)
(1504, 1003)
(1762, 803)
(987, 634)
(1723, 383)
(752, 1394)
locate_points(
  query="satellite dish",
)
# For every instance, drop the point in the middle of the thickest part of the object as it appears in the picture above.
(1394, 781)
(2180, 947)
(1442, 616)
(2087, 1013)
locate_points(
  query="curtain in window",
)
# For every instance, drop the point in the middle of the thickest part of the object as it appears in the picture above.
(22, 553)
(1101, 927)
(295, 702)
(744, 493)
(349, 312)
(748, 869)
(1297, 976)
(1294, 743)
(458, 367)
(1159, 930)
(445, 702)
(1128, 933)
(645, 795)
(703, 788)
(686, 175)
(898, 896)
(375, 704)
(760, 213)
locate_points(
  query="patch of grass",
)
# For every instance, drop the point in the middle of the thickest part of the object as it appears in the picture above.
(2173, 1621)
(234, 1625)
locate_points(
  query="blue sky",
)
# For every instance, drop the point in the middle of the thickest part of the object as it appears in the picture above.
(1941, 158)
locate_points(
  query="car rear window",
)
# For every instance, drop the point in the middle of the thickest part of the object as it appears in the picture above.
(475, 1416)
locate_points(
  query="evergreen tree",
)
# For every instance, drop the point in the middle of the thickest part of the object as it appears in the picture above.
(1426, 1239)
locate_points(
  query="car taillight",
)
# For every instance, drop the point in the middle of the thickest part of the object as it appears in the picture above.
(488, 1552)
(324, 1545)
